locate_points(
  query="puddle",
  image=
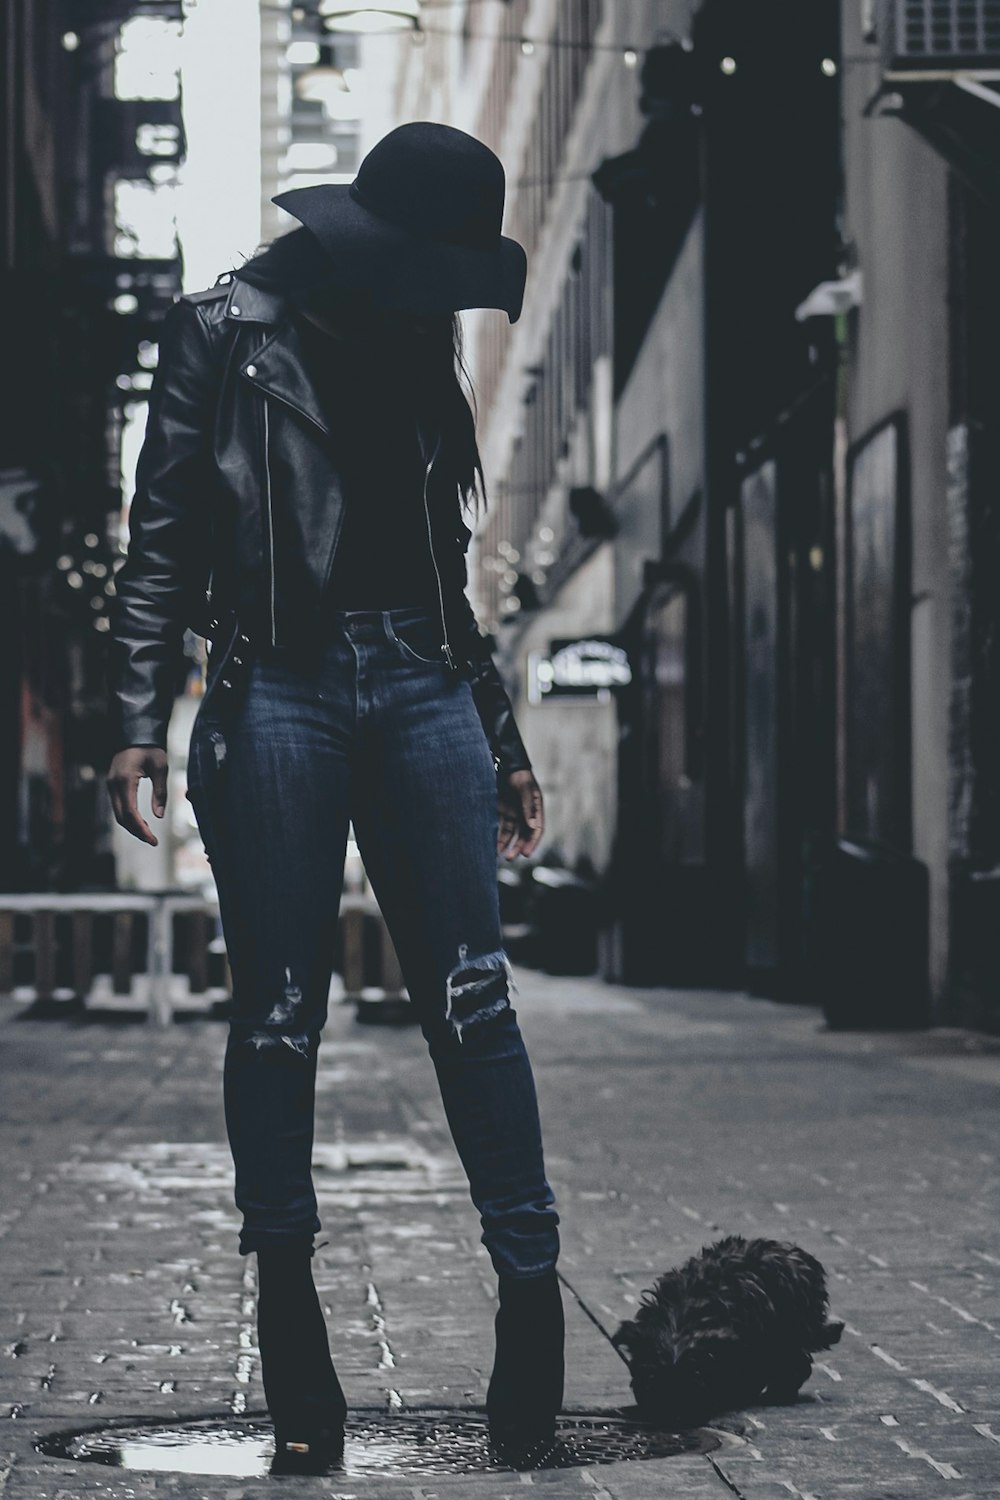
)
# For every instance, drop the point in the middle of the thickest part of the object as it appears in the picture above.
(376, 1443)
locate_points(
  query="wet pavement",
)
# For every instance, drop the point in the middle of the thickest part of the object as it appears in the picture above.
(670, 1119)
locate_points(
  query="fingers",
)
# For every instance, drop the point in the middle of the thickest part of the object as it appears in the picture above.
(158, 776)
(521, 819)
(129, 816)
(533, 816)
(123, 789)
(508, 832)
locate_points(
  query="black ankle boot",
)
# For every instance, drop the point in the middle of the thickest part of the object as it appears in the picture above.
(303, 1394)
(526, 1387)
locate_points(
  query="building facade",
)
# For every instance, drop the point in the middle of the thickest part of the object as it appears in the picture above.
(89, 264)
(744, 430)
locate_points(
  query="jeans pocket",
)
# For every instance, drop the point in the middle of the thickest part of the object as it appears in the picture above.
(418, 640)
(206, 755)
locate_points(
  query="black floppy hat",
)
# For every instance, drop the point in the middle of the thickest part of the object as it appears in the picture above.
(419, 226)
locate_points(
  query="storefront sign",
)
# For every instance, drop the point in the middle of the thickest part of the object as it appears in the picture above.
(592, 667)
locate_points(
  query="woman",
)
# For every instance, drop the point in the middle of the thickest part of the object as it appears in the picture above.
(298, 501)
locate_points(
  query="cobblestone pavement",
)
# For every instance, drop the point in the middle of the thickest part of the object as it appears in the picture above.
(669, 1117)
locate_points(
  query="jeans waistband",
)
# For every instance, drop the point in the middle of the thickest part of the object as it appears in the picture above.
(397, 614)
(396, 611)
(379, 624)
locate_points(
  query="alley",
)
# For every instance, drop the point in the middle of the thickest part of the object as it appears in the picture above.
(670, 1118)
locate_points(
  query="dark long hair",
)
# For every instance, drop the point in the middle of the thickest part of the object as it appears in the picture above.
(297, 268)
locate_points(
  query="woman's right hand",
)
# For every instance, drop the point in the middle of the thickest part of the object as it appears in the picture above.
(124, 774)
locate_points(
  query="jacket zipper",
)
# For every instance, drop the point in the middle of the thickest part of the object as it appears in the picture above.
(267, 480)
(333, 545)
(270, 521)
(446, 647)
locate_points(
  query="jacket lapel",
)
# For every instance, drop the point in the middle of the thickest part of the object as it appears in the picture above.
(276, 366)
(279, 370)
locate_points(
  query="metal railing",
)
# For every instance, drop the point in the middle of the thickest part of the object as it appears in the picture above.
(52, 949)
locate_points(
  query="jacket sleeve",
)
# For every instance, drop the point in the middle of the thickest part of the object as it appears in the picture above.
(491, 700)
(167, 562)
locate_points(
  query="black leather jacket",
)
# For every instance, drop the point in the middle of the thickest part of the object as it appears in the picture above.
(236, 515)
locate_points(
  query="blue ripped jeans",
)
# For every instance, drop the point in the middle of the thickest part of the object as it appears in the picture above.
(370, 728)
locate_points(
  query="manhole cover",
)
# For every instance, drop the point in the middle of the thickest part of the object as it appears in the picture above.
(438, 1442)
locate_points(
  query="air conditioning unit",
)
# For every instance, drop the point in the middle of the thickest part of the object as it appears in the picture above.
(939, 37)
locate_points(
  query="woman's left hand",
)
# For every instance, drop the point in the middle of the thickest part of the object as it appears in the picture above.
(522, 816)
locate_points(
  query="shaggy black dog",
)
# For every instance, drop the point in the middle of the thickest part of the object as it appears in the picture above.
(735, 1324)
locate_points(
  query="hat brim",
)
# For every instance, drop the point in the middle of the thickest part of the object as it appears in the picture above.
(405, 270)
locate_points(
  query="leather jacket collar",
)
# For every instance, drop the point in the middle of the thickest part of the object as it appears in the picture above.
(247, 303)
(276, 366)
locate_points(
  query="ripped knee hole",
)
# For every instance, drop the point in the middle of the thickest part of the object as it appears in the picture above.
(282, 1015)
(478, 988)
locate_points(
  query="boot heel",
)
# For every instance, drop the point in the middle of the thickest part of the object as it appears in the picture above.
(525, 1392)
(301, 1388)
(294, 1453)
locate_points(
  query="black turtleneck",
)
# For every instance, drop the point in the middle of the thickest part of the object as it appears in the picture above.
(371, 392)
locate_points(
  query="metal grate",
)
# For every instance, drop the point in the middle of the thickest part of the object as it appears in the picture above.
(940, 34)
(377, 1442)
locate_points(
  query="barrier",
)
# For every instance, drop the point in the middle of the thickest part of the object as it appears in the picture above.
(77, 946)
